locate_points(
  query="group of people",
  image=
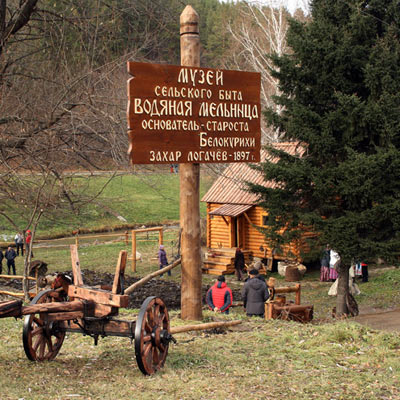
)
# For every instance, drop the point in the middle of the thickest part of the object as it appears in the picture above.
(10, 254)
(219, 297)
(330, 262)
(255, 293)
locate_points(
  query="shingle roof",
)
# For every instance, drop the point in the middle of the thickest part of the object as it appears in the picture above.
(231, 210)
(230, 187)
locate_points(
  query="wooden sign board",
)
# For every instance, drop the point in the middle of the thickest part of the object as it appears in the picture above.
(182, 114)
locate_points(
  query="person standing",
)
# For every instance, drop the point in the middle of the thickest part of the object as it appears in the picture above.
(28, 243)
(239, 263)
(219, 297)
(162, 259)
(334, 263)
(10, 257)
(1, 261)
(19, 243)
(325, 264)
(255, 294)
(364, 271)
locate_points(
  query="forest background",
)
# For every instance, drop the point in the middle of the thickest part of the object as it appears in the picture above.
(63, 88)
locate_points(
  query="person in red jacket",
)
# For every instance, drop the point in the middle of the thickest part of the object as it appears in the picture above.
(219, 296)
(28, 240)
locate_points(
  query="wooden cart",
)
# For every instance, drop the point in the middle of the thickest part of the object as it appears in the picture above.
(73, 307)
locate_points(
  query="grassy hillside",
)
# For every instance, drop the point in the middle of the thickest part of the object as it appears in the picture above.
(139, 198)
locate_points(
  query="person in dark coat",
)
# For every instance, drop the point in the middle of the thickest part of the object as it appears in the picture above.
(1, 262)
(255, 294)
(162, 259)
(364, 271)
(219, 296)
(10, 257)
(239, 263)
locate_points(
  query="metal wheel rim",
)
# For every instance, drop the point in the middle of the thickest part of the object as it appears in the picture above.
(152, 322)
(42, 341)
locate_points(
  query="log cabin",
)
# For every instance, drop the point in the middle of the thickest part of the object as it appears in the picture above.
(234, 219)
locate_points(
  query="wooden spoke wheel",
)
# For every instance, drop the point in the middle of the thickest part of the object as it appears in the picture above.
(152, 335)
(42, 339)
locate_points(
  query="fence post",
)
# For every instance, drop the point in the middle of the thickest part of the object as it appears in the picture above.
(133, 251)
(77, 241)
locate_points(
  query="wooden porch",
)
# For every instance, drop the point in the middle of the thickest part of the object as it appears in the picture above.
(220, 261)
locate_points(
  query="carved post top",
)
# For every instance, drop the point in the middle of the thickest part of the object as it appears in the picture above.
(189, 21)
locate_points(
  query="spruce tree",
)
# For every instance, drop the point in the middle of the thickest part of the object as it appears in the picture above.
(341, 92)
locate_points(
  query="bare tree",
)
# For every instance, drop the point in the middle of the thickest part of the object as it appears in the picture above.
(261, 31)
(56, 116)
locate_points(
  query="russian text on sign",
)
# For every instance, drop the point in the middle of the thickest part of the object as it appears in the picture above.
(190, 114)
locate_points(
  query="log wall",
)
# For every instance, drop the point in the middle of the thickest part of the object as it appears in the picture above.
(219, 233)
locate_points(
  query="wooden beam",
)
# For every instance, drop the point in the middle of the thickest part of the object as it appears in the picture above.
(133, 251)
(76, 266)
(147, 278)
(291, 289)
(99, 296)
(191, 296)
(157, 228)
(247, 218)
(119, 271)
(15, 308)
(13, 294)
(113, 327)
(17, 277)
(202, 327)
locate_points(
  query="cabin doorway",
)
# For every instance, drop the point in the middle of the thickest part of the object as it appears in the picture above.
(237, 232)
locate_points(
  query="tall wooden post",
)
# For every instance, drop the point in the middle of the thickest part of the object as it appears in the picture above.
(133, 251)
(191, 307)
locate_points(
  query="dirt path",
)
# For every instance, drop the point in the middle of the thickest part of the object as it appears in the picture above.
(381, 320)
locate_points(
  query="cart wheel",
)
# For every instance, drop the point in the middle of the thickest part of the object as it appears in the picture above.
(152, 335)
(42, 339)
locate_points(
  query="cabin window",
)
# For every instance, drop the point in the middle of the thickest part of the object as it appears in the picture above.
(264, 220)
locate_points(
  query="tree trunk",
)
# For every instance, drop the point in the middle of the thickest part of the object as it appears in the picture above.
(342, 290)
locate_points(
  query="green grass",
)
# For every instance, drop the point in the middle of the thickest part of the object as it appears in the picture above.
(257, 360)
(140, 199)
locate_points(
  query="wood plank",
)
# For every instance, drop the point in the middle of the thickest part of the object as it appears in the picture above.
(53, 307)
(112, 327)
(65, 316)
(98, 296)
(119, 271)
(157, 228)
(76, 266)
(13, 294)
(17, 277)
(11, 308)
(217, 272)
(101, 310)
(202, 327)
